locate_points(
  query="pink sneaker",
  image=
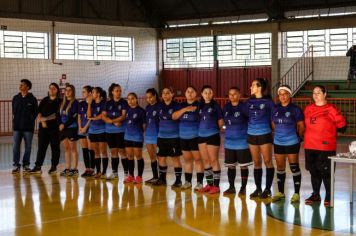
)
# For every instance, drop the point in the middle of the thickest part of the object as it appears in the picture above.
(138, 180)
(129, 179)
(214, 190)
(205, 189)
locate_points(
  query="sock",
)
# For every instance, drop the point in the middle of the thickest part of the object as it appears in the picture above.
(115, 164)
(92, 159)
(244, 178)
(154, 169)
(200, 177)
(140, 167)
(178, 173)
(281, 177)
(257, 173)
(162, 172)
(86, 157)
(231, 174)
(131, 167)
(217, 178)
(124, 162)
(97, 164)
(188, 177)
(105, 164)
(297, 176)
(269, 177)
(209, 176)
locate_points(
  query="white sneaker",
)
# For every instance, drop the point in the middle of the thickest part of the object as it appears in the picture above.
(113, 176)
(186, 185)
(198, 187)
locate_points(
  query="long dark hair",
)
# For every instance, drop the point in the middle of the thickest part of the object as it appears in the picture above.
(202, 101)
(153, 92)
(101, 92)
(111, 89)
(58, 95)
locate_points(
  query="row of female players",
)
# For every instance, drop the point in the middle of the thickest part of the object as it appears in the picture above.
(192, 128)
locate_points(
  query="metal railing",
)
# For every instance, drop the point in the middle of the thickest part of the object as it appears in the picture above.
(298, 74)
(347, 107)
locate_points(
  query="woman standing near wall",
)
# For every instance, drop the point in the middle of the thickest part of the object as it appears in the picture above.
(69, 131)
(48, 133)
(96, 107)
(237, 151)
(211, 121)
(288, 126)
(168, 139)
(189, 118)
(83, 123)
(260, 136)
(151, 132)
(135, 125)
(322, 122)
(114, 116)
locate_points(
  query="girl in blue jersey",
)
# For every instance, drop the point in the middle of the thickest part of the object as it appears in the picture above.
(211, 121)
(189, 118)
(114, 117)
(260, 136)
(83, 125)
(168, 139)
(96, 107)
(237, 151)
(136, 120)
(69, 131)
(151, 132)
(288, 126)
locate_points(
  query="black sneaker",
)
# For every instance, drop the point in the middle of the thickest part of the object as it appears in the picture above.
(327, 200)
(16, 170)
(53, 170)
(160, 182)
(256, 194)
(65, 172)
(266, 194)
(229, 191)
(177, 184)
(242, 192)
(26, 170)
(151, 181)
(73, 173)
(85, 174)
(36, 170)
(313, 198)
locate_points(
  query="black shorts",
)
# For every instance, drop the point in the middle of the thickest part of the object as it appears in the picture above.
(260, 139)
(97, 138)
(69, 133)
(133, 144)
(210, 140)
(81, 136)
(168, 147)
(292, 149)
(240, 157)
(115, 140)
(318, 161)
(189, 144)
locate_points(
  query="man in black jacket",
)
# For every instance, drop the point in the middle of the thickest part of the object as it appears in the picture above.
(24, 113)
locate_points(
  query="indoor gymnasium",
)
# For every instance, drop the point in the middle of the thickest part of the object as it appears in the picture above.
(177, 117)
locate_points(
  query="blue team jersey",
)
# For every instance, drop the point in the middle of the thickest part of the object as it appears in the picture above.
(168, 128)
(209, 114)
(135, 119)
(259, 111)
(82, 111)
(70, 114)
(152, 123)
(189, 122)
(285, 121)
(236, 119)
(97, 126)
(114, 110)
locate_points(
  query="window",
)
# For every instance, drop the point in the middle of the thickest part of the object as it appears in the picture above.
(326, 42)
(232, 50)
(17, 44)
(87, 47)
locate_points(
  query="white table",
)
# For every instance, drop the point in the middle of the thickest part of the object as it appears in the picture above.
(335, 160)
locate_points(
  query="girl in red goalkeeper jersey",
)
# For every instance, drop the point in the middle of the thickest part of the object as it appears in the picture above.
(322, 123)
